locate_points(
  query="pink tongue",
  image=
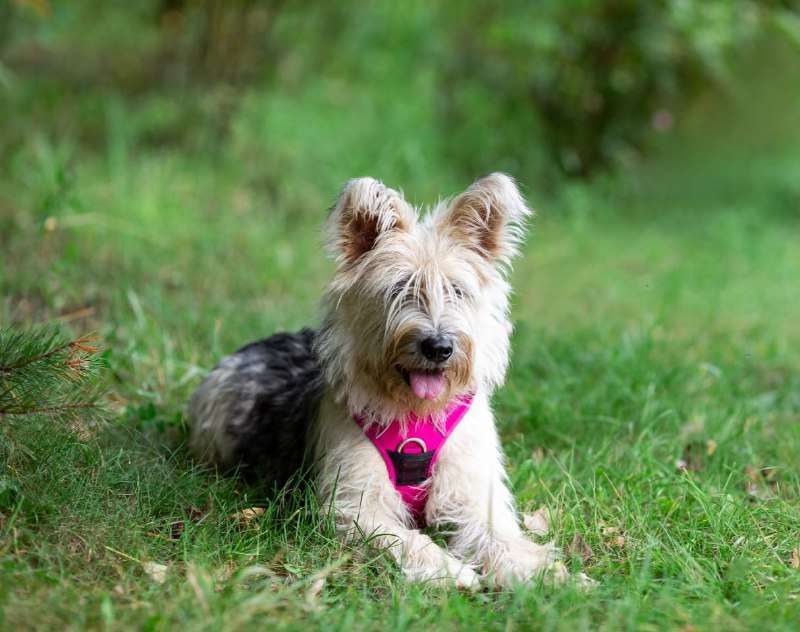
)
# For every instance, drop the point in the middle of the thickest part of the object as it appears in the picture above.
(426, 385)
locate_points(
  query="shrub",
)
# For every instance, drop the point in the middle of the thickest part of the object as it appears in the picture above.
(591, 77)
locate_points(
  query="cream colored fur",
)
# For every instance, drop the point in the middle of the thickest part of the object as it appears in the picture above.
(400, 277)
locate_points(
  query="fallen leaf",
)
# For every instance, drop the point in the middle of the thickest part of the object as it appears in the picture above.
(176, 529)
(770, 474)
(692, 457)
(155, 571)
(761, 481)
(194, 515)
(794, 562)
(247, 515)
(538, 523)
(580, 548)
(711, 447)
(614, 535)
(752, 485)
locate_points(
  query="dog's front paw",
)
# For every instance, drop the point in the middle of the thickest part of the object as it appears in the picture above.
(466, 578)
(451, 573)
(522, 561)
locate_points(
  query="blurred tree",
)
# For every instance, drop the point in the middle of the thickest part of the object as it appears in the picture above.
(223, 40)
(522, 86)
(596, 73)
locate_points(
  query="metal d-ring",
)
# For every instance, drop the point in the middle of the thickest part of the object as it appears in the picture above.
(416, 440)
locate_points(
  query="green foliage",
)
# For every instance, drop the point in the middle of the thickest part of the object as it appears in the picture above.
(535, 88)
(590, 77)
(42, 372)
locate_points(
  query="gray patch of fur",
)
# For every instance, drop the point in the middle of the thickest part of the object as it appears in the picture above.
(253, 410)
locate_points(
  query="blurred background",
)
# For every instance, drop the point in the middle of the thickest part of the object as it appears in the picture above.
(544, 90)
(165, 165)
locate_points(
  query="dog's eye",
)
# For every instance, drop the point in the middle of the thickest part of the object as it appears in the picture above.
(457, 291)
(398, 288)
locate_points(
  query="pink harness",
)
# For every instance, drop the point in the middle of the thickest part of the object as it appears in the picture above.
(410, 456)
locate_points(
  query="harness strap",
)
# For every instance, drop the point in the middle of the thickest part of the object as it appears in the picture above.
(411, 450)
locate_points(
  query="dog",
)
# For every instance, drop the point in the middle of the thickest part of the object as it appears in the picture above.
(389, 398)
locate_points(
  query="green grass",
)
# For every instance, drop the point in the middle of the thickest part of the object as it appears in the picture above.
(657, 315)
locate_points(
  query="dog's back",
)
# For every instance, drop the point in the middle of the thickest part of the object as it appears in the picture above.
(253, 410)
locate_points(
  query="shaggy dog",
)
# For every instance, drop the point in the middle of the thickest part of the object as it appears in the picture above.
(390, 397)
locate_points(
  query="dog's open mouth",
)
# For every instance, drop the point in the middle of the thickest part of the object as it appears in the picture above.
(425, 384)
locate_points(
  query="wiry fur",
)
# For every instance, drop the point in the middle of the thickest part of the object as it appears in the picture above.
(253, 410)
(399, 279)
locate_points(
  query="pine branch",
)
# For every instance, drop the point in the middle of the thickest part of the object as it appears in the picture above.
(26, 361)
(42, 372)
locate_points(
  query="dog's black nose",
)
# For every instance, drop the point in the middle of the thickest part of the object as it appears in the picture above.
(437, 348)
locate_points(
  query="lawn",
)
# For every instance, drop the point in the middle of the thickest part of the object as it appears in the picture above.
(653, 403)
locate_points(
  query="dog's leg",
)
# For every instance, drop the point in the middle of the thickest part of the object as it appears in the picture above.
(352, 481)
(488, 534)
(470, 495)
(419, 558)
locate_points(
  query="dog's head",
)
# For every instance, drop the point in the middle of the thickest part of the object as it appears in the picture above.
(417, 312)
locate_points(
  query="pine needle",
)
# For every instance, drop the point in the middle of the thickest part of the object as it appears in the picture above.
(44, 373)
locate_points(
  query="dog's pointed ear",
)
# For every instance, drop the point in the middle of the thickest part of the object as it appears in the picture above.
(489, 217)
(365, 211)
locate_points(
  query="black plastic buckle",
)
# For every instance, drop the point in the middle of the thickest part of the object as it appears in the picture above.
(410, 468)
